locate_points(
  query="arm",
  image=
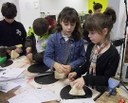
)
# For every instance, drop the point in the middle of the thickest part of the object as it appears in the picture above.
(109, 71)
(49, 53)
(38, 57)
(80, 57)
(23, 37)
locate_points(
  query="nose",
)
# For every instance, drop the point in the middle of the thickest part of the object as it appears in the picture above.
(89, 35)
(69, 26)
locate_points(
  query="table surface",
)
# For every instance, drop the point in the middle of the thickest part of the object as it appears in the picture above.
(54, 87)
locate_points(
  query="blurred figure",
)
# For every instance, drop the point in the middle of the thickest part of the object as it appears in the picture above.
(97, 7)
(52, 24)
(90, 11)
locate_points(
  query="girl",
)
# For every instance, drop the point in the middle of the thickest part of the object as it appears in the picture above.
(102, 57)
(65, 49)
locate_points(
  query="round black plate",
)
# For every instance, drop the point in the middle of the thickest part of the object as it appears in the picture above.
(65, 93)
(37, 68)
(7, 63)
(47, 79)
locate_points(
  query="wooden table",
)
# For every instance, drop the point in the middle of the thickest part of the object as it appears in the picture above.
(110, 99)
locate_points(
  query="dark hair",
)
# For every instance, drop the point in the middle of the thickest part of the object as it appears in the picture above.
(97, 6)
(90, 11)
(40, 26)
(9, 10)
(70, 15)
(97, 22)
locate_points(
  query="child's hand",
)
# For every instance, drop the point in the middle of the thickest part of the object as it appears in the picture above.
(72, 76)
(67, 69)
(28, 50)
(18, 50)
(29, 56)
(58, 67)
(79, 83)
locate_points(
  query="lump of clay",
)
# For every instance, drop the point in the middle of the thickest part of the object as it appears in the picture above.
(76, 92)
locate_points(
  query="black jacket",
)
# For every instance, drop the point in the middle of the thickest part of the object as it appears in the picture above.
(106, 67)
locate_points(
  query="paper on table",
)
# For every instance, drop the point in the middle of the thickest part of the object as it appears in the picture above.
(39, 96)
(7, 86)
(87, 100)
(12, 73)
(24, 98)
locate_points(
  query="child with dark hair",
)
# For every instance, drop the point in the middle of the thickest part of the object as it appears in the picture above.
(97, 7)
(102, 58)
(36, 42)
(90, 11)
(65, 49)
(11, 32)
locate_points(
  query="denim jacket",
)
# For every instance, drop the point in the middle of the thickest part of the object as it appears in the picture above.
(69, 52)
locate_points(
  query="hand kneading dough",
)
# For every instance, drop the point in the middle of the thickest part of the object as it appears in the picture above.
(76, 92)
(14, 54)
(59, 75)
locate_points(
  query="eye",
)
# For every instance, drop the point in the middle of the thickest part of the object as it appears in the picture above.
(73, 24)
(66, 24)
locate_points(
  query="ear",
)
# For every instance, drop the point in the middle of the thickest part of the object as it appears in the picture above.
(105, 31)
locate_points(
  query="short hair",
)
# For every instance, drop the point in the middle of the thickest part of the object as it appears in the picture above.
(40, 26)
(90, 11)
(97, 6)
(9, 10)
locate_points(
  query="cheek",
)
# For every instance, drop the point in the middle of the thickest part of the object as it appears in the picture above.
(96, 38)
(99, 38)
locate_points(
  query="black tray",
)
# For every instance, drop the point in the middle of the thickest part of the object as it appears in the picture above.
(46, 79)
(65, 93)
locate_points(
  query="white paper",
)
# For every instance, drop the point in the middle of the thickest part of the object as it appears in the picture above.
(86, 100)
(12, 73)
(34, 96)
(24, 98)
(7, 86)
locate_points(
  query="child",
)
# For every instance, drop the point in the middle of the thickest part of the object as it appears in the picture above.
(65, 49)
(12, 33)
(36, 44)
(102, 58)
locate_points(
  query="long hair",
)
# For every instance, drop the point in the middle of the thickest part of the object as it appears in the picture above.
(70, 15)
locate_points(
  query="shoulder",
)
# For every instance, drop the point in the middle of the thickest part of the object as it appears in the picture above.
(113, 50)
(18, 23)
(54, 36)
(1, 22)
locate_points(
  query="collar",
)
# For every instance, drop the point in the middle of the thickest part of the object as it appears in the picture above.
(61, 37)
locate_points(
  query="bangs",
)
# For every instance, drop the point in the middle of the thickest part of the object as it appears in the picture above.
(69, 18)
(93, 23)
